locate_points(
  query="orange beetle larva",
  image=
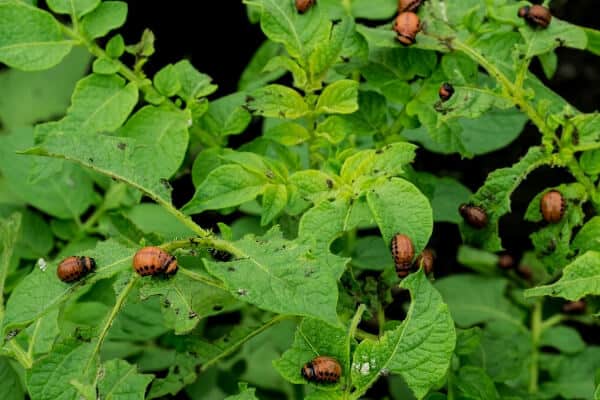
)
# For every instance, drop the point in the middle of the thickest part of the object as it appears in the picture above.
(403, 253)
(408, 5)
(75, 267)
(536, 15)
(473, 215)
(407, 25)
(304, 5)
(322, 369)
(154, 260)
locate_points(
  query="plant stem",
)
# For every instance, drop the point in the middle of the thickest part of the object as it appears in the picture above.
(206, 241)
(197, 277)
(380, 318)
(362, 335)
(536, 331)
(550, 322)
(352, 330)
(450, 386)
(20, 355)
(244, 339)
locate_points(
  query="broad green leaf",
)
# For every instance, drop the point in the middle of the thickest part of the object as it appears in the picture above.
(419, 349)
(474, 383)
(245, 393)
(64, 191)
(388, 161)
(275, 198)
(181, 373)
(186, 302)
(11, 387)
(108, 16)
(30, 39)
(580, 278)
(558, 33)
(105, 66)
(341, 97)
(226, 116)
(371, 117)
(101, 103)
(152, 218)
(194, 84)
(138, 321)
(371, 253)
(34, 240)
(148, 151)
(254, 75)
(41, 290)
(50, 377)
(574, 377)
(288, 133)
(478, 260)
(494, 198)
(374, 9)
(42, 334)
(337, 215)
(588, 238)
(467, 340)
(399, 207)
(285, 63)
(587, 126)
(122, 381)
(226, 186)
(282, 276)
(28, 97)
(474, 299)
(115, 47)
(277, 101)
(76, 8)
(312, 339)
(166, 81)
(593, 46)
(563, 338)
(9, 228)
(445, 195)
(590, 162)
(471, 103)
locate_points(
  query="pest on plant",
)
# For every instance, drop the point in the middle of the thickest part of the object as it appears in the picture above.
(473, 215)
(304, 5)
(506, 261)
(552, 206)
(446, 91)
(74, 268)
(406, 26)
(409, 5)
(403, 253)
(536, 15)
(322, 369)
(154, 260)
(426, 260)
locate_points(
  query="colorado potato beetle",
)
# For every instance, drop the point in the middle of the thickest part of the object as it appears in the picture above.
(506, 261)
(403, 253)
(322, 369)
(426, 259)
(154, 260)
(536, 15)
(73, 268)
(446, 91)
(574, 307)
(304, 5)
(408, 5)
(473, 215)
(552, 206)
(407, 25)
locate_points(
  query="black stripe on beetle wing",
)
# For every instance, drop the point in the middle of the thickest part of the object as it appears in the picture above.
(166, 263)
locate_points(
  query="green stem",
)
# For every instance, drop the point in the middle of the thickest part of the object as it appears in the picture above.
(450, 386)
(352, 330)
(550, 322)
(380, 318)
(536, 332)
(206, 241)
(111, 317)
(362, 335)
(200, 278)
(582, 178)
(20, 355)
(244, 339)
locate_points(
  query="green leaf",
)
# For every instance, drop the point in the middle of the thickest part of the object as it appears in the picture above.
(288, 133)
(9, 228)
(29, 97)
(101, 103)
(474, 383)
(494, 198)
(194, 84)
(593, 36)
(245, 393)
(35, 237)
(150, 148)
(563, 338)
(48, 192)
(312, 339)
(166, 81)
(374, 9)
(558, 33)
(50, 377)
(154, 219)
(115, 46)
(275, 198)
(186, 302)
(226, 186)
(574, 376)
(30, 39)
(480, 261)
(105, 66)
(121, 381)
(445, 195)
(108, 16)
(76, 8)
(282, 276)
(41, 290)
(11, 388)
(255, 75)
(419, 349)
(226, 116)
(371, 117)
(588, 238)
(371, 253)
(341, 97)
(474, 299)
(399, 207)
(277, 101)
(580, 278)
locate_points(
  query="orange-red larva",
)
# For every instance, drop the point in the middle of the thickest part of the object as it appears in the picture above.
(552, 206)
(446, 91)
(506, 261)
(407, 25)
(154, 260)
(536, 15)
(304, 5)
(408, 5)
(75, 267)
(322, 369)
(473, 215)
(403, 253)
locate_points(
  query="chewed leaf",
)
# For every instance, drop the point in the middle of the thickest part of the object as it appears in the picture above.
(120, 380)
(282, 276)
(246, 393)
(559, 33)
(277, 101)
(580, 278)
(419, 349)
(494, 198)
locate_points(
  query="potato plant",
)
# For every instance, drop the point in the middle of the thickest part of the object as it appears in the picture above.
(282, 254)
